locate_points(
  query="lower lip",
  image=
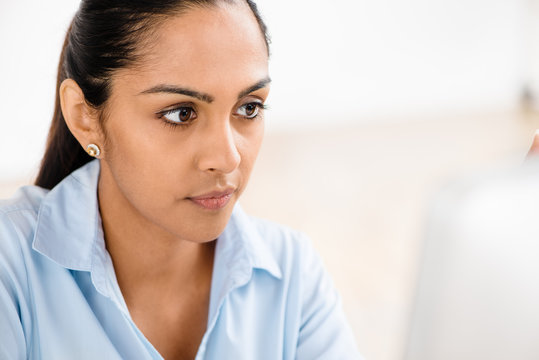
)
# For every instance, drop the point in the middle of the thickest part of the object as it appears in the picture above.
(213, 203)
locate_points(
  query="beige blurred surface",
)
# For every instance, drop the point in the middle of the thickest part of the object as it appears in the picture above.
(361, 194)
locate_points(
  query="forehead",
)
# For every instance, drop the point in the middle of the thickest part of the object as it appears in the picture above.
(205, 47)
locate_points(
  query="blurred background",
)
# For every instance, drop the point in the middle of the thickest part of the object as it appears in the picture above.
(375, 106)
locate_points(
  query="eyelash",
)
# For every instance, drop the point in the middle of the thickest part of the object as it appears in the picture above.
(172, 124)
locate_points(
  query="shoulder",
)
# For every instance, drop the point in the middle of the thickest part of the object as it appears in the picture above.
(18, 218)
(26, 199)
(20, 212)
(313, 306)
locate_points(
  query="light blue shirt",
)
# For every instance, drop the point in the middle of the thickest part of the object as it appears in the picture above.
(271, 297)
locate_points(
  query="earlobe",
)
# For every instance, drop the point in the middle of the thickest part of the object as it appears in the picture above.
(81, 121)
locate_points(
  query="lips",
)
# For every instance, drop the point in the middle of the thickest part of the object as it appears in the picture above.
(214, 200)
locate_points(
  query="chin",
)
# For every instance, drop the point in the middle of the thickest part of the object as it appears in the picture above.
(199, 230)
(205, 237)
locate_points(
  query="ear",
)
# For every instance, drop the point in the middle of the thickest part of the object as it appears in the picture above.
(81, 119)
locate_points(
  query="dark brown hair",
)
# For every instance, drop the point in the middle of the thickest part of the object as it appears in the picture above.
(103, 37)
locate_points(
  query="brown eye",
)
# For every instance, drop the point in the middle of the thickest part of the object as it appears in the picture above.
(185, 114)
(250, 110)
(180, 115)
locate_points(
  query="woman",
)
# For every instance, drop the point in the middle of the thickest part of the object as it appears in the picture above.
(143, 253)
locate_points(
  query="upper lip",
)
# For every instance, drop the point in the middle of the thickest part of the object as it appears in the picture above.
(214, 194)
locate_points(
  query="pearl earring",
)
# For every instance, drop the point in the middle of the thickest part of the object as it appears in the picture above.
(93, 150)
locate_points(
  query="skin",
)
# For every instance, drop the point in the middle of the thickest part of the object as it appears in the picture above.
(161, 242)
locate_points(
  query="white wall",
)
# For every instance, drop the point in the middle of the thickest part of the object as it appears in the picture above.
(31, 37)
(352, 60)
(334, 62)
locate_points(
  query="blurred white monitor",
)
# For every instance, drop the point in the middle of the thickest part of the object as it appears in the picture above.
(478, 288)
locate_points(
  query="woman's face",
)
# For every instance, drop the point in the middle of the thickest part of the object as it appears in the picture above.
(184, 128)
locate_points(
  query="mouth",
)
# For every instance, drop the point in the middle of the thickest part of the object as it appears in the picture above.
(214, 200)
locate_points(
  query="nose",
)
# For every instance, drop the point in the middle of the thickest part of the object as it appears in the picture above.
(218, 150)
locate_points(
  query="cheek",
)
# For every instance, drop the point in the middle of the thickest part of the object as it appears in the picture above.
(146, 158)
(249, 146)
(140, 139)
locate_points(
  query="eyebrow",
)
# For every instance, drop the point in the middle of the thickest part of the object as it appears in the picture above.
(259, 85)
(173, 89)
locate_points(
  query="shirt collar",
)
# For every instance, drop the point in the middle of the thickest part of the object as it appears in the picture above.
(68, 222)
(243, 239)
(69, 230)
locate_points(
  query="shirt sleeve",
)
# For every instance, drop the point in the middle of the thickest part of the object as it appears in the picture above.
(12, 338)
(324, 331)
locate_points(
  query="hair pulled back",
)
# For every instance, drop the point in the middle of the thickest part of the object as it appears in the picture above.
(104, 36)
